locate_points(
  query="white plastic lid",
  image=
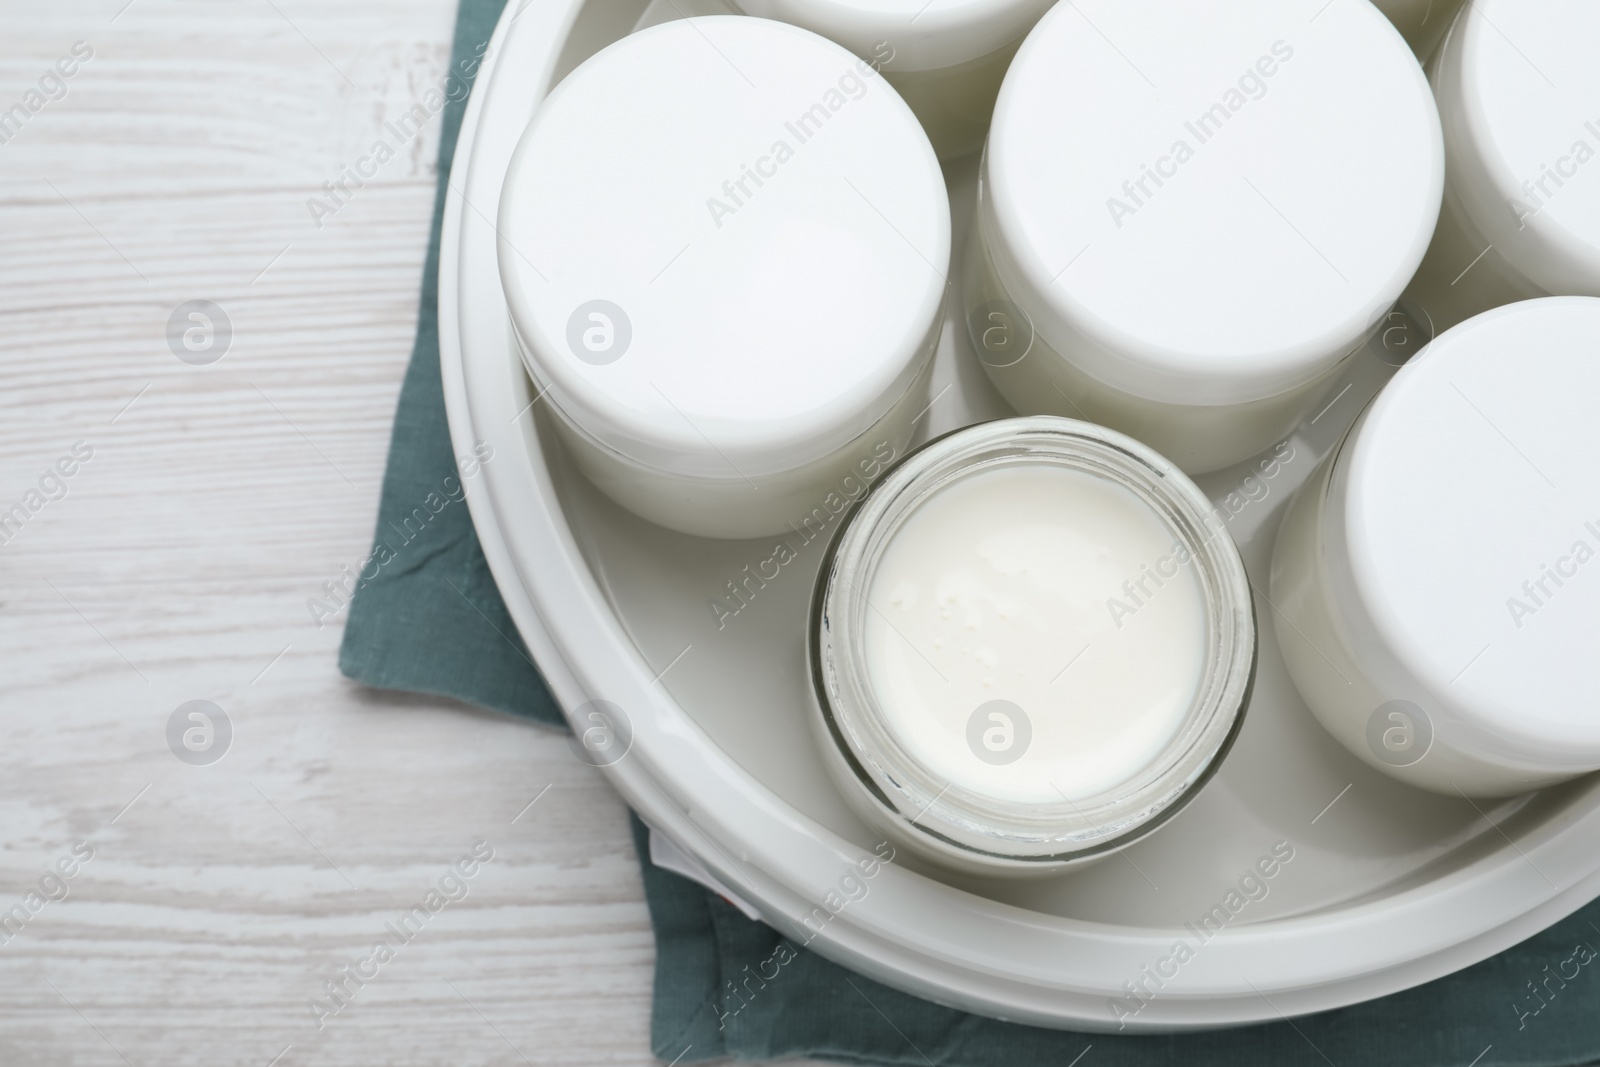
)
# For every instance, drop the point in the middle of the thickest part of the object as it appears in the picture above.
(1519, 95)
(909, 34)
(1211, 203)
(1470, 499)
(724, 243)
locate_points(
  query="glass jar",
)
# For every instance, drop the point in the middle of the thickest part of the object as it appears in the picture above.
(945, 57)
(1031, 643)
(1190, 231)
(1517, 86)
(727, 289)
(1437, 591)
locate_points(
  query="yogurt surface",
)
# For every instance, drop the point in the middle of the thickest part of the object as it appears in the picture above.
(1035, 633)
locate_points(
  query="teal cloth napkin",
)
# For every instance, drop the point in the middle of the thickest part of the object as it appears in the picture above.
(430, 620)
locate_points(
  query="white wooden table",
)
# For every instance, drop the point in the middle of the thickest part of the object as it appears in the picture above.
(175, 164)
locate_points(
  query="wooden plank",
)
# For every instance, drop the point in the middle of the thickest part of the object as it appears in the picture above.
(219, 899)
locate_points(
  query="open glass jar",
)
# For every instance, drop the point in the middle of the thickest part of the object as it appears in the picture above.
(1030, 645)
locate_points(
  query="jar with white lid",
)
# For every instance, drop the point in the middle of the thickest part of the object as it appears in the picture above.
(946, 57)
(1437, 582)
(1030, 644)
(1519, 97)
(1182, 236)
(723, 242)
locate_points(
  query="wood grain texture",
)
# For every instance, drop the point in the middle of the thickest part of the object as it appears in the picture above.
(177, 166)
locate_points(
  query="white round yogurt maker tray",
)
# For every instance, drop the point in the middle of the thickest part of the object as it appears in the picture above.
(1374, 888)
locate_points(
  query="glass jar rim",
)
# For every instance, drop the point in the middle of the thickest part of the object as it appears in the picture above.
(946, 815)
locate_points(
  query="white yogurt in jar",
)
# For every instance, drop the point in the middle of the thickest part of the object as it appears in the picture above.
(1031, 645)
(1053, 609)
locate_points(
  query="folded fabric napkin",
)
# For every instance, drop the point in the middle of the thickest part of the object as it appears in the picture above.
(726, 986)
